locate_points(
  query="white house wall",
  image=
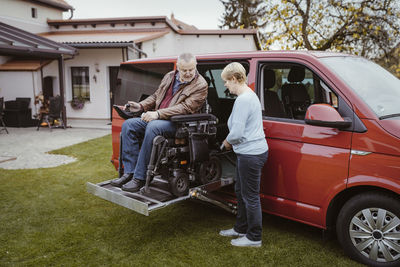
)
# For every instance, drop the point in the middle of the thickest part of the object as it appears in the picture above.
(173, 44)
(162, 46)
(20, 84)
(99, 105)
(18, 14)
(225, 43)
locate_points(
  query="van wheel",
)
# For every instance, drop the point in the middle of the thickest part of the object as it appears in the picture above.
(179, 185)
(210, 170)
(368, 228)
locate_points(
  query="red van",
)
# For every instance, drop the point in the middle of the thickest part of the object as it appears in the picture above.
(332, 123)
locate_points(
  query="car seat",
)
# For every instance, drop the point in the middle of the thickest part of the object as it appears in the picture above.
(294, 94)
(272, 104)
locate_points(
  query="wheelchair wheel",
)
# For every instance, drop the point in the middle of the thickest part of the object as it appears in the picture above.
(210, 170)
(179, 185)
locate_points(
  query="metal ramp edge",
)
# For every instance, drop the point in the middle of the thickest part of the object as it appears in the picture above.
(159, 196)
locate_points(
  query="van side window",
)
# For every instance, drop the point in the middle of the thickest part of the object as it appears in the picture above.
(219, 98)
(287, 90)
(216, 82)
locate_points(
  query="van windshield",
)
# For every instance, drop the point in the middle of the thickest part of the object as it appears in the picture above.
(379, 89)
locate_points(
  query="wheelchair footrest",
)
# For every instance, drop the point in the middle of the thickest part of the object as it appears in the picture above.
(143, 203)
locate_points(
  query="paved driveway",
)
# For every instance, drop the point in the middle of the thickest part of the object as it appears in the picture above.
(25, 148)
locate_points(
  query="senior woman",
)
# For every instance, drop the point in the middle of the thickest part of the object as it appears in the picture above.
(247, 138)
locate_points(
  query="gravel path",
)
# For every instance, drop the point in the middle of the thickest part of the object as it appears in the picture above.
(25, 148)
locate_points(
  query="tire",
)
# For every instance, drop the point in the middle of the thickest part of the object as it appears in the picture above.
(210, 170)
(368, 228)
(179, 185)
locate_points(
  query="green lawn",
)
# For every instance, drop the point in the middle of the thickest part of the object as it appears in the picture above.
(48, 219)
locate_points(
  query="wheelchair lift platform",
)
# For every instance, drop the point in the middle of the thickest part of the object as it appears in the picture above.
(159, 195)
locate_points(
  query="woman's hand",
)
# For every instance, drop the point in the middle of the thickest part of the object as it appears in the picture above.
(227, 145)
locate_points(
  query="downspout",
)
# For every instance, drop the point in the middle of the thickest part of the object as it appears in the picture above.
(123, 54)
(72, 13)
(135, 48)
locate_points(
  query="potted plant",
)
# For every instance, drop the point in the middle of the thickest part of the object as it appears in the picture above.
(78, 102)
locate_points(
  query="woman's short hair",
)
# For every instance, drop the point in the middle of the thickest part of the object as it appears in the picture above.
(234, 69)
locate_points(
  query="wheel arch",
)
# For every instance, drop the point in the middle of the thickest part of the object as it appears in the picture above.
(341, 198)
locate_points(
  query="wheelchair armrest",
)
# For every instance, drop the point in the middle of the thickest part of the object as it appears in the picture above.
(126, 114)
(194, 117)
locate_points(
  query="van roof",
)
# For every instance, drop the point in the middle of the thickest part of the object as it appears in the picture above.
(244, 55)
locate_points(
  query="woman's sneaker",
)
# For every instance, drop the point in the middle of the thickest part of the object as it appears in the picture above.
(245, 242)
(230, 232)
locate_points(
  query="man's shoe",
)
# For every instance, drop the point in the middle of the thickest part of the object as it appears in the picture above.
(245, 242)
(126, 114)
(122, 180)
(134, 185)
(230, 232)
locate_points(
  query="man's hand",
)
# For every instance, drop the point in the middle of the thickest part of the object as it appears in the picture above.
(149, 116)
(134, 106)
(227, 145)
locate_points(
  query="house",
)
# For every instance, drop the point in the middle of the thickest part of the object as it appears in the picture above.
(29, 63)
(105, 42)
(32, 15)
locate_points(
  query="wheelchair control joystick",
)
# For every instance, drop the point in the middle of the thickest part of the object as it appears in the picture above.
(222, 147)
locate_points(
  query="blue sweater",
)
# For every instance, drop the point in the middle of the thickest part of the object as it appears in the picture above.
(245, 125)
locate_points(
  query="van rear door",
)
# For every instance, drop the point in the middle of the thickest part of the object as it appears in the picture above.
(136, 80)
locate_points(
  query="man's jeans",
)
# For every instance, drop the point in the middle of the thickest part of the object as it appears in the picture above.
(247, 189)
(135, 132)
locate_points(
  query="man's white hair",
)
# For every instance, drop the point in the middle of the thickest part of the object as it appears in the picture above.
(186, 57)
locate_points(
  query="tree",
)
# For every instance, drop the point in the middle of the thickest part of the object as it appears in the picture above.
(243, 14)
(369, 28)
(392, 61)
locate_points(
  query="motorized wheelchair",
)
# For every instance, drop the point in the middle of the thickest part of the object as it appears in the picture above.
(190, 158)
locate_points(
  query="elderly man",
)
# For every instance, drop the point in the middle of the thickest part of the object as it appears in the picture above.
(180, 92)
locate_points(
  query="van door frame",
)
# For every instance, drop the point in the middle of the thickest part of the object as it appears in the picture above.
(290, 206)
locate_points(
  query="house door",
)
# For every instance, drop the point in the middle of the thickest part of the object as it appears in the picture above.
(113, 72)
(47, 87)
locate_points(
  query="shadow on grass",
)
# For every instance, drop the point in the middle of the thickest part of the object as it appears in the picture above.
(48, 218)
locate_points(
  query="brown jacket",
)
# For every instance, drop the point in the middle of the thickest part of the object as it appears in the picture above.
(188, 99)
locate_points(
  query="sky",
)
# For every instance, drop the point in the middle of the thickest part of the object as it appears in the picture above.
(204, 14)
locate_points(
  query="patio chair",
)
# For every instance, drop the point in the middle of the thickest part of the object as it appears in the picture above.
(2, 124)
(55, 108)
